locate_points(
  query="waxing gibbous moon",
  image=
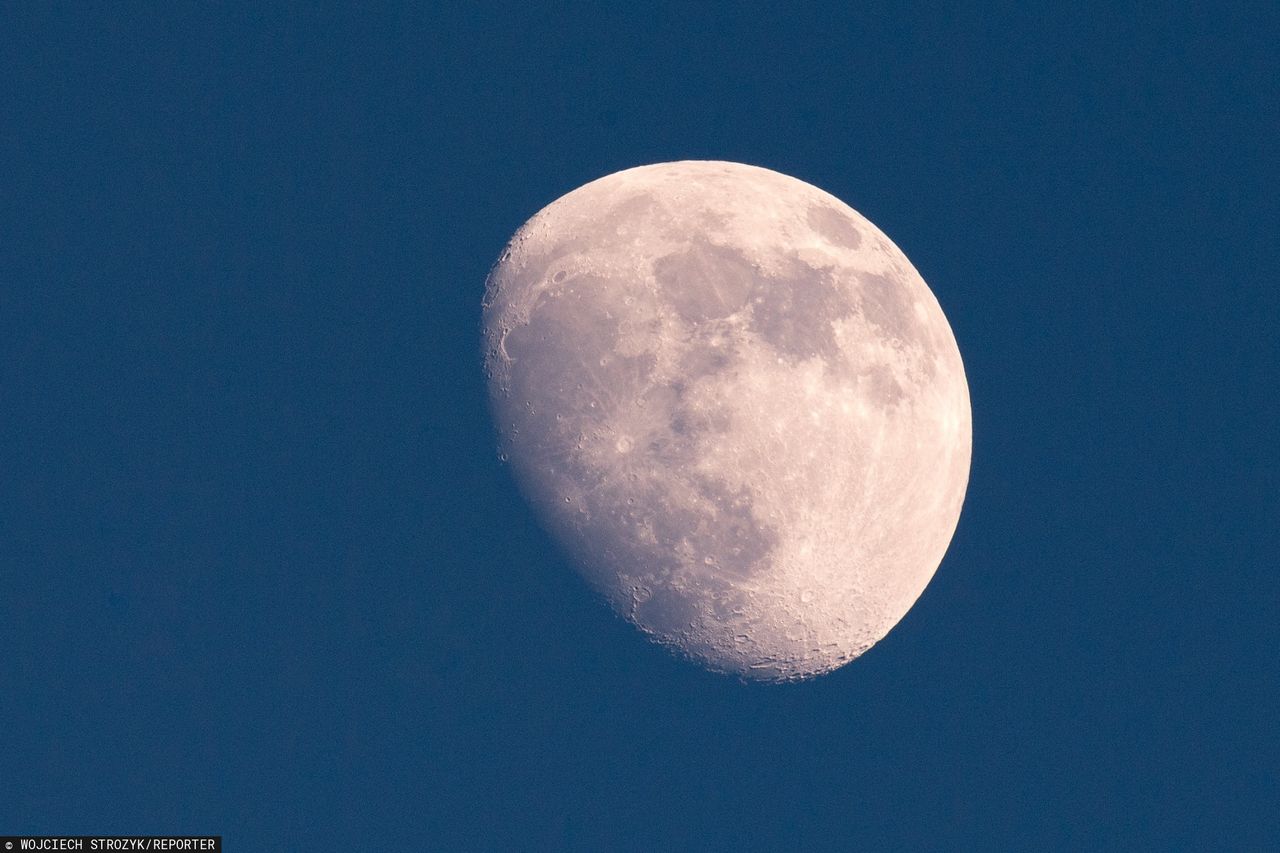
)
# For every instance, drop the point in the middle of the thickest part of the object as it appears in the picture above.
(737, 406)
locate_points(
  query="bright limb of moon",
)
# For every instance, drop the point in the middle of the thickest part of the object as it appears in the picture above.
(738, 407)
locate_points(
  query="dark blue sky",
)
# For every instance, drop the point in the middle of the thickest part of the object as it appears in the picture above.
(262, 573)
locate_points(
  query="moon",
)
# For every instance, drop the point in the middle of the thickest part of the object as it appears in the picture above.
(736, 405)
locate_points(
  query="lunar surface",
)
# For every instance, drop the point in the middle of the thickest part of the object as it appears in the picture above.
(738, 407)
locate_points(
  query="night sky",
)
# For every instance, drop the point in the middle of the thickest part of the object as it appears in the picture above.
(263, 574)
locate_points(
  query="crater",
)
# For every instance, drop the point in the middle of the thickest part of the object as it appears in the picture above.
(667, 613)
